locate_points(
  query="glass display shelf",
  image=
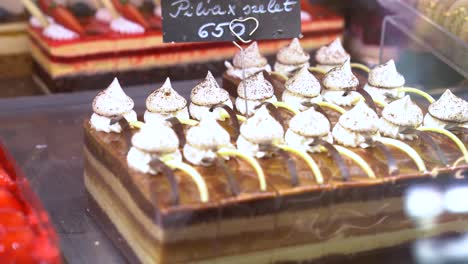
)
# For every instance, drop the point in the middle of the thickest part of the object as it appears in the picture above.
(421, 33)
(45, 137)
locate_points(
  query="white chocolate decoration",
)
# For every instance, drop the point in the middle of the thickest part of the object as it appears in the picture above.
(58, 32)
(333, 54)
(386, 76)
(125, 26)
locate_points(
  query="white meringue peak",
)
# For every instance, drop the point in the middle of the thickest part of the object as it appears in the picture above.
(310, 123)
(292, 54)
(112, 101)
(208, 134)
(156, 137)
(361, 118)
(262, 128)
(450, 108)
(251, 56)
(256, 87)
(403, 112)
(165, 99)
(303, 83)
(208, 92)
(341, 78)
(386, 76)
(333, 54)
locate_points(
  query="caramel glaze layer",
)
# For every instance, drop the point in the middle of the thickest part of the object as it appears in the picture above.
(152, 193)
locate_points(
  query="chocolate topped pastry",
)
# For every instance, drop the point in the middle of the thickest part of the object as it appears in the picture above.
(291, 58)
(154, 140)
(204, 140)
(252, 61)
(305, 127)
(302, 88)
(331, 56)
(356, 126)
(205, 95)
(398, 115)
(340, 84)
(448, 110)
(253, 91)
(164, 103)
(384, 81)
(111, 103)
(261, 128)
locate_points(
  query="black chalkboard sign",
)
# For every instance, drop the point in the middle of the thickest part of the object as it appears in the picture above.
(208, 20)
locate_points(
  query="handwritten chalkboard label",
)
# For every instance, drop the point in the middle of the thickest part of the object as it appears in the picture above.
(208, 20)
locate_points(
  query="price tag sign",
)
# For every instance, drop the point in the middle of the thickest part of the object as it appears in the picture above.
(208, 20)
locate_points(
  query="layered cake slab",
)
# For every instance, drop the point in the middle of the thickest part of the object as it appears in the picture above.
(140, 58)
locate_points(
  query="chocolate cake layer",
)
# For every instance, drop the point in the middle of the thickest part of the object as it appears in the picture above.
(111, 149)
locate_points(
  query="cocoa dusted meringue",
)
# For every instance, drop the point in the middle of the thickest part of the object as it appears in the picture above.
(331, 56)
(154, 140)
(253, 62)
(305, 127)
(111, 103)
(356, 126)
(205, 95)
(384, 81)
(340, 84)
(400, 114)
(261, 128)
(253, 91)
(165, 103)
(448, 110)
(303, 87)
(291, 58)
(204, 140)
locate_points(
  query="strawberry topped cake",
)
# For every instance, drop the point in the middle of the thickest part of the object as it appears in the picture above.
(123, 40)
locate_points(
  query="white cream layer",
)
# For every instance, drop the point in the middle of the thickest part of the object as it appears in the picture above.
(391, 130)
(296, 100)
(300, 142)
(430, 121)
(237, 72)
(199, 111)
(378, 93)
(251, 104)
(287, 69)
(350, 138)
(139, 160)
(102, 123)
(59, 32)
(125, 26)
(336, 97)
(156, 117)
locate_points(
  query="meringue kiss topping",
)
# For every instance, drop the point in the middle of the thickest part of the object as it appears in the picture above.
(262, 128)
(449, 107)
(310, 123)
(333, 54)
(165, 99)
(292, 54)
(303, 83)
(386, 76)
(156, 137)
(341, 78)
(403, 112)
(208, 92)
(361, 118)
(208, 134)
(112, 101)
(256, 87)
(251, 58)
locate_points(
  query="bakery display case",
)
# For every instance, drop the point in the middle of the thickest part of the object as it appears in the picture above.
(293, 151)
